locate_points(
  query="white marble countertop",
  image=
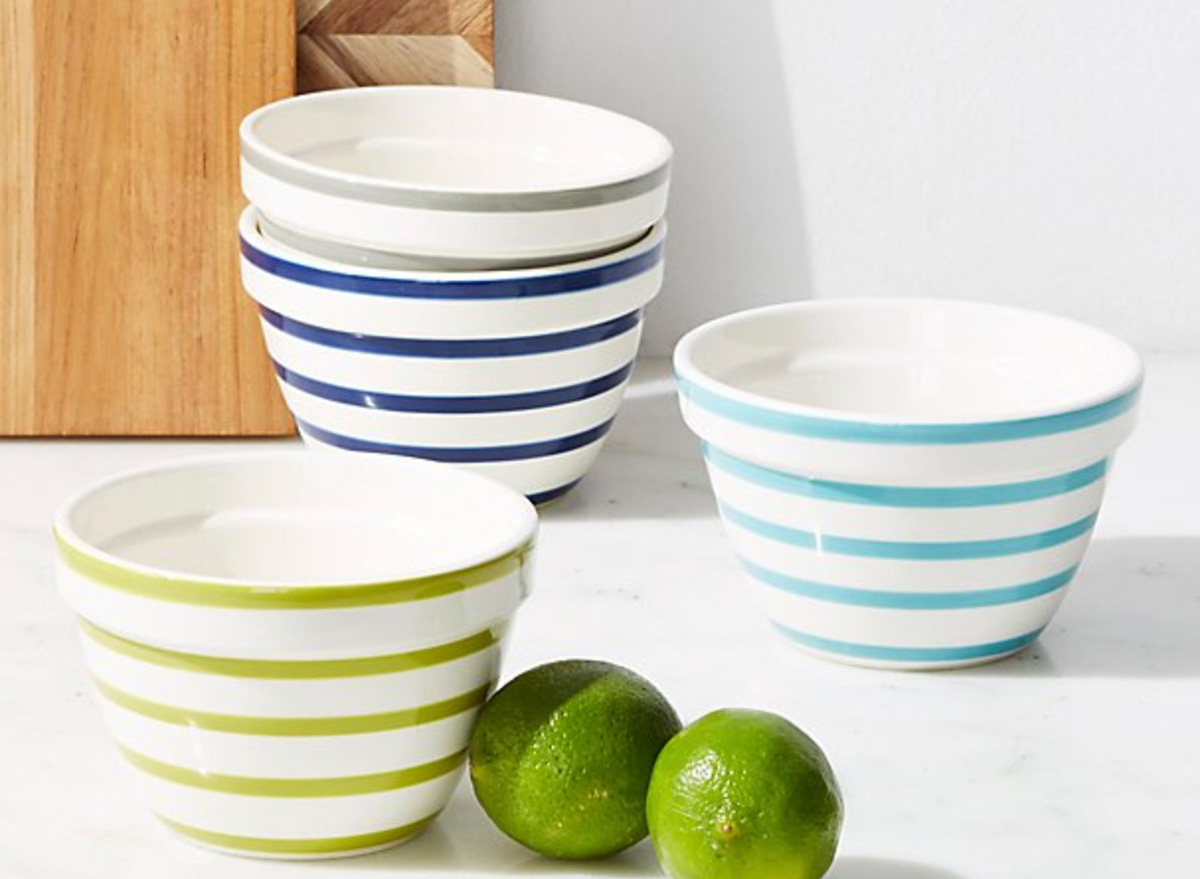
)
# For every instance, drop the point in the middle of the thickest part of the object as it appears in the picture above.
(1079, 758)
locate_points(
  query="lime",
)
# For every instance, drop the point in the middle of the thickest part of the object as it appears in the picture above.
(744, 793)
(561, 757)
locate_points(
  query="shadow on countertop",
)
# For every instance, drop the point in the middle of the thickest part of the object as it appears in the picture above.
(449, 847)
(852, 867)
(434, 852)
(1132, 612)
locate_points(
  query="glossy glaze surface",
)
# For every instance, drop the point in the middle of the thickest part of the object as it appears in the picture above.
(449, 174)
(907, 483)
(290, 649)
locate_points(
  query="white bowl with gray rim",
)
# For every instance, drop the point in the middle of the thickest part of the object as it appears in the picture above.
(455, 177)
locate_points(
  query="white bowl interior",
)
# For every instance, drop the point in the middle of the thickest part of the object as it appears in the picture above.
(299, 519)
(906, 360)
(458, 139)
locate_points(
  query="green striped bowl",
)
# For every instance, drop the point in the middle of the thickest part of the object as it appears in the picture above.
(291, 648)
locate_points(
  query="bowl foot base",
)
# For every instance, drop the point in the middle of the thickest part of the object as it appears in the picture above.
(297, 850)
(905, 659)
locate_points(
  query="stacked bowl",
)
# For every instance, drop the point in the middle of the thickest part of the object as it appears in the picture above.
(454, 274)
(291, 649)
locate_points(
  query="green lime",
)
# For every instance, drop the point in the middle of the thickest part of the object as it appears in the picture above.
(744, 793)
(561, 757)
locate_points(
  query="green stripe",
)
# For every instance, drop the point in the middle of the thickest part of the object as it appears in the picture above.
(327, 846)
(251, 786)
(294, 670)
(284, 596)
(295, 726)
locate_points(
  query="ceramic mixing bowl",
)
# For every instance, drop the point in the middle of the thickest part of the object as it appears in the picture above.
(908, 483)
(290, 649)
(515, 374)
(451, 174)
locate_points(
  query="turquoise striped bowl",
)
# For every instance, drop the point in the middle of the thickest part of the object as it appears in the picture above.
(290, 649)
(908, 483)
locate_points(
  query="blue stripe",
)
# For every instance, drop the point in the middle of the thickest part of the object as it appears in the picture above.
(909, 600)
(900, 496)
(453, 348)
(510, 288)
(455, 405)
(464, 455)
(901, 433)
(953, 550)
(544, 497)
(909, 654)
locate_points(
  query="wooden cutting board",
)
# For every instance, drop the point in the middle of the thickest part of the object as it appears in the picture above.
(120, 306)
(121, 311)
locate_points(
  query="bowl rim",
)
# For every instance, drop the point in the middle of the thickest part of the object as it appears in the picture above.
(638, 179)
(1118, 396)
(143, 578)
(646, 247)
(351, 255)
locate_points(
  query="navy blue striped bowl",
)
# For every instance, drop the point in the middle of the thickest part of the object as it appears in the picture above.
(516, 374)
(908, 483)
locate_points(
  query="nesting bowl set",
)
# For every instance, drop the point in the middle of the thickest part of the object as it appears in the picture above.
(454, 274)
(291, 648)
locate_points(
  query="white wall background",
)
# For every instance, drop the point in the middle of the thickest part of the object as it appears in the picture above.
(1038, 152)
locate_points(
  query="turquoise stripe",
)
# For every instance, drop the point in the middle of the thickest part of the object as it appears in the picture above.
(901, 496)
(902, 433)
(917, 551)
(909, 600)
(909, 654)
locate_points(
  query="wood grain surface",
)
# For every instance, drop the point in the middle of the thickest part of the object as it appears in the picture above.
(378, 42)
(121, 311)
